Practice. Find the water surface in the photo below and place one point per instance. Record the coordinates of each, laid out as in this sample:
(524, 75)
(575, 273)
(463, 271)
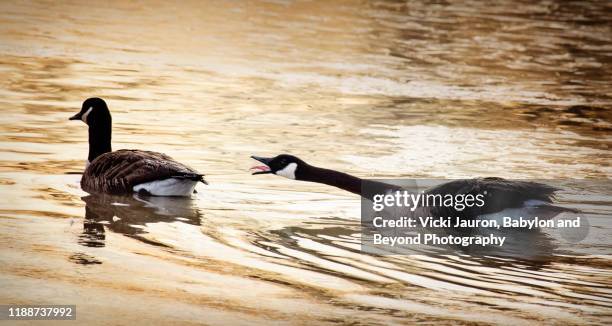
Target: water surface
(378, 89)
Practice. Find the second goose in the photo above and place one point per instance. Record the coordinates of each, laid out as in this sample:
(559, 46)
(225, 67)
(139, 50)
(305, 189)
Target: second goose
(126, 171)
(503, 196)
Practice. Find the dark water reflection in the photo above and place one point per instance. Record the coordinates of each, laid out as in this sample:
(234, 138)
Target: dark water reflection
(129, 215)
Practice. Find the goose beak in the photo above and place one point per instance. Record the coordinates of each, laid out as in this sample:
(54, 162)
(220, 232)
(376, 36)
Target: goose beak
(75, 117)
(261, 169)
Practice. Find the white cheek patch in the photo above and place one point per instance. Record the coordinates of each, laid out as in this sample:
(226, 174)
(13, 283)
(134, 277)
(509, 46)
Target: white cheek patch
(84, 116)
(288, 171)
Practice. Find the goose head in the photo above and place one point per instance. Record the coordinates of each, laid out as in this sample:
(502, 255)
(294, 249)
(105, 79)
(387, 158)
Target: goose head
(93, 112)
(284, 165)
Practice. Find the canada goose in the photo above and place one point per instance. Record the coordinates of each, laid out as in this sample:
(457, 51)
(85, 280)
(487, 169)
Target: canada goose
(126, 171)
(503, 196)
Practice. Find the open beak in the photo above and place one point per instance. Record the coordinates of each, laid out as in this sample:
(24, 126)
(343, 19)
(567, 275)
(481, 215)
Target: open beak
(261, 169)
(75, 117)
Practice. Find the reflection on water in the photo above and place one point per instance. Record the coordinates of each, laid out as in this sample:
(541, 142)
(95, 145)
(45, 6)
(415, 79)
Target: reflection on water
(129, 215)
(378, 89)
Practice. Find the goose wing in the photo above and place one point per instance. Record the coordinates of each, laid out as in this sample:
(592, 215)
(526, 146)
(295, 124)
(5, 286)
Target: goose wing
(120, 171)
(499, 194)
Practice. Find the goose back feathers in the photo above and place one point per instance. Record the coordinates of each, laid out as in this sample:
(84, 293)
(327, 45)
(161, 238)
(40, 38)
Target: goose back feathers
(500, 194)
(120, 171)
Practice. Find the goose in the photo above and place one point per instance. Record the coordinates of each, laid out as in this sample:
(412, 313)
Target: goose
(502, 196)
(128, 170)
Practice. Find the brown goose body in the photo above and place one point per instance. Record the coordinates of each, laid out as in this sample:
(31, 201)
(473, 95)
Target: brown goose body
(126, 171)
(120, 171)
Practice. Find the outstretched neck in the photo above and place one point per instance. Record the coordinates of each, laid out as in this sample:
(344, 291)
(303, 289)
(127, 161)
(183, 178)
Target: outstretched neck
(99, 140)
(332, 178)
(358, 186)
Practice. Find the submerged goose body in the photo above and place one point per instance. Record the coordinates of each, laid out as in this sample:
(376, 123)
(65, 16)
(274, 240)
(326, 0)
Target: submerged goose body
(126, 171)
(503, 196)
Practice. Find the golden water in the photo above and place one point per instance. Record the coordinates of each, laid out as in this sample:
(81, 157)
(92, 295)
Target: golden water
(378, 89)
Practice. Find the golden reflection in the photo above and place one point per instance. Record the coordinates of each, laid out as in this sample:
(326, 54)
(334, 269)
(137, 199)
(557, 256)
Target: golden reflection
(374, 88)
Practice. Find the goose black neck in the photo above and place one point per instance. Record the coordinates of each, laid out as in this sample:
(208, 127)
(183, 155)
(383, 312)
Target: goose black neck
(345, 181)
(99, 139)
